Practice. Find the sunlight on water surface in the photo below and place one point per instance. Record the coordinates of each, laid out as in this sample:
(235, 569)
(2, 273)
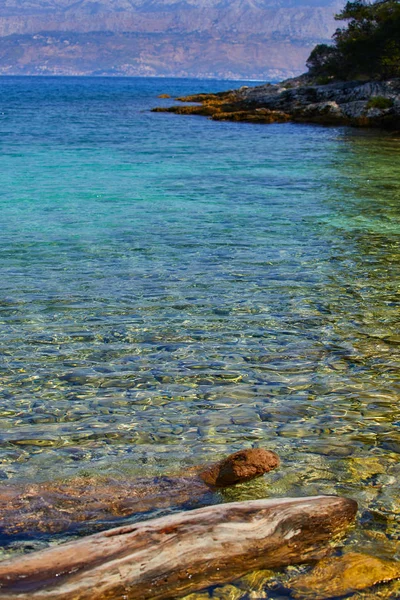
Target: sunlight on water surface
(174, 289)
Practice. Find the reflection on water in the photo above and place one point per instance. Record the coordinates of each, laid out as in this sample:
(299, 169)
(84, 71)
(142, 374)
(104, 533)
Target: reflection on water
(175, 289)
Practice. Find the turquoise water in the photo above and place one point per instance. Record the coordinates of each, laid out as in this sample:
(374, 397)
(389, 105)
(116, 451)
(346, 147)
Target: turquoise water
(174, 289)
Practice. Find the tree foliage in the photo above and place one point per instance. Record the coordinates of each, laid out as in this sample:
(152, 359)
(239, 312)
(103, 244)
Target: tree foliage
(367, 48)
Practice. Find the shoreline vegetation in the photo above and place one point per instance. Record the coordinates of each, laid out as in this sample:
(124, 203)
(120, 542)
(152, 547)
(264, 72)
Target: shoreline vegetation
(301, 100)
(353, 81)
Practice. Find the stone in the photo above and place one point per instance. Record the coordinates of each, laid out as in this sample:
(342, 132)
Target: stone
(339, 576)
(391, 442)
(390, 591)
(361, 469)
(228, 592)
(197, 596)
(240, 467)
(82, 502)
(302, 100)
(256, 580)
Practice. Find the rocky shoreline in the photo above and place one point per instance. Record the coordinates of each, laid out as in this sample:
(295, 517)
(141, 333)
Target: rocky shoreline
(351, 103)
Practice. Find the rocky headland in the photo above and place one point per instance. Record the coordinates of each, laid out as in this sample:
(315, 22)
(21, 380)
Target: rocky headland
(302, 100)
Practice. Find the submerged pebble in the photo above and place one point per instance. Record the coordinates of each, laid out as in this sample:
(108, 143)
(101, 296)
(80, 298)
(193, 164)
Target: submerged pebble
(339, 576)
(228, 592)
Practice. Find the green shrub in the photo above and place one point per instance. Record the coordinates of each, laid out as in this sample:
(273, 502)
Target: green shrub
(368, 47)
(380, 102)
(323, 80)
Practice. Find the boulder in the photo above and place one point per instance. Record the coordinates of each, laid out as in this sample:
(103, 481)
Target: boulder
(240, 467)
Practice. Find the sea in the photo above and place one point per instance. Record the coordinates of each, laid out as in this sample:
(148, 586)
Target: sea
(174, 289)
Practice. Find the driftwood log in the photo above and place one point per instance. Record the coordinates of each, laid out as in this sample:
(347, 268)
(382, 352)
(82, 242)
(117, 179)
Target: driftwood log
(87, 504)
(174, 555)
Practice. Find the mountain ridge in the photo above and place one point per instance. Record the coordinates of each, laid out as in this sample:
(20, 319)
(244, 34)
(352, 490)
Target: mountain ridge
(242, 38)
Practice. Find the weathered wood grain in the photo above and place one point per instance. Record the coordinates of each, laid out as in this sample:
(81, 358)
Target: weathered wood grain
(174, 555)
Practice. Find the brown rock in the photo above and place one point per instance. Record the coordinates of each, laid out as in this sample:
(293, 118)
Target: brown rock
(264, 116)
(240, 467)
(164, 96)
(57, 506)
(301, 100)
(226, 106)
(342, 575)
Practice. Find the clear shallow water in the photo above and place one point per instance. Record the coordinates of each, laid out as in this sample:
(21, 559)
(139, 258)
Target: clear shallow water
(174, 289)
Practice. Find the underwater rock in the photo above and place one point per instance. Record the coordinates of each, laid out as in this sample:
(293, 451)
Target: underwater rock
(197, 596)
(362, 469)
(228, 592)
(53, 507)
(255, 581)
(339, 576)
(391, 442)
(240, 467)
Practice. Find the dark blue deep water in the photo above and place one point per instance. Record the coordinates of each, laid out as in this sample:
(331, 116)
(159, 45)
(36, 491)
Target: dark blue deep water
(174, 289)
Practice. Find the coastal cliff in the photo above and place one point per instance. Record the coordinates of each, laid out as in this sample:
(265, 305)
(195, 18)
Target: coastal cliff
(354, 103)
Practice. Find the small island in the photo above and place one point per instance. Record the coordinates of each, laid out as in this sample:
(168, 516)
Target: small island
(355, 81)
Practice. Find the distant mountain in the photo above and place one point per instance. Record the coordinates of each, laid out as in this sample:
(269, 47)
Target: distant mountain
(248, 39)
